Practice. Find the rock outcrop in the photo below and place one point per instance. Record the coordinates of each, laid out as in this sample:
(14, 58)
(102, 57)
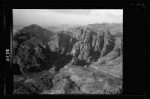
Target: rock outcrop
(85, 81)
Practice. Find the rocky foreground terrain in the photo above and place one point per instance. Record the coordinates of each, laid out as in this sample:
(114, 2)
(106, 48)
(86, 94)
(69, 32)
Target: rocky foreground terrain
(79, 60)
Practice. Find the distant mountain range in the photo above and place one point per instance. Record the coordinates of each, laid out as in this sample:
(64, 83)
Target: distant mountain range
(61, 27)
(113, 27)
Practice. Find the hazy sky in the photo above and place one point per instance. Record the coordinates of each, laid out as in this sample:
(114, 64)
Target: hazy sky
(66, 16)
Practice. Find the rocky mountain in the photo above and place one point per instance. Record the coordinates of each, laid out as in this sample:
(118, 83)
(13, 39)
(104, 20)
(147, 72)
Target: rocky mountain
(29, 47)
(79, 60)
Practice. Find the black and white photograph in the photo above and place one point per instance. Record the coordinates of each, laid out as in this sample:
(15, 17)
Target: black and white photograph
(67, 51)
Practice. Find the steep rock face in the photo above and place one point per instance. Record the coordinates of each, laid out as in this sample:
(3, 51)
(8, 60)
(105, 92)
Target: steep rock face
(84, 44)
(83, 48)
(108, 44)
(114, 53)
(92, 45)
(61, 43)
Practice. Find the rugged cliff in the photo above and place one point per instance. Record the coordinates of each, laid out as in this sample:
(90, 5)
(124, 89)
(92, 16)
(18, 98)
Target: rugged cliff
(67, 62)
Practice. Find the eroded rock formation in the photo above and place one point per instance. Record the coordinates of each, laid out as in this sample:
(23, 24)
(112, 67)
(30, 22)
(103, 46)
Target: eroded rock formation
(81, 60)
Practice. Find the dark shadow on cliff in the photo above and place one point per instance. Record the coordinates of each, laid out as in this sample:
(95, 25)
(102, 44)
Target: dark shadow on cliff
(60, 60)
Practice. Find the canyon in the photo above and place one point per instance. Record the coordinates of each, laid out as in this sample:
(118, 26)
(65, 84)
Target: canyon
(77, 60)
